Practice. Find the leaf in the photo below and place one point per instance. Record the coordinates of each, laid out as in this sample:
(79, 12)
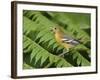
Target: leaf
(40, 52)
(26, 66)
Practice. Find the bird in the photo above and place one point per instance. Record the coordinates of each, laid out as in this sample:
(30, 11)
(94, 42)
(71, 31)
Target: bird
(64, 40)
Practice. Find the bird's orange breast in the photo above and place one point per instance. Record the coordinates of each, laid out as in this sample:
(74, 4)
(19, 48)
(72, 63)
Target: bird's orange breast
(58, 38)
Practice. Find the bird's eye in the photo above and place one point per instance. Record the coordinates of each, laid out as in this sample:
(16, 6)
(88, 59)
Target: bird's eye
(55, 28)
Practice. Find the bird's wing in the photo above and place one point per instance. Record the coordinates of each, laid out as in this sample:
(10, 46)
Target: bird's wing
(69, 40)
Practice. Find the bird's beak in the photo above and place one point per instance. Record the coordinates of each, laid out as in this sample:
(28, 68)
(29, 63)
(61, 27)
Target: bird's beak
(51, 29)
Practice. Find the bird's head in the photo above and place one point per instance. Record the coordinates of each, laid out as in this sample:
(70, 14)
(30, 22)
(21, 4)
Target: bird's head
(55, 29)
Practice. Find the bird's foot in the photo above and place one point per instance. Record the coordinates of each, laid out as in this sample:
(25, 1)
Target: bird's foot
(62, 54)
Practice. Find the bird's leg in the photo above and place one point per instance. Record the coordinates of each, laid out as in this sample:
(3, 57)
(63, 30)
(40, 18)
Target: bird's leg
(62, 54)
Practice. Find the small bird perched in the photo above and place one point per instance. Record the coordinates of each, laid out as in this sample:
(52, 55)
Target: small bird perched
(64, 40)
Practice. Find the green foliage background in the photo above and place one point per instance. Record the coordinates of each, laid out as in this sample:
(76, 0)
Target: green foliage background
(40, 49)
